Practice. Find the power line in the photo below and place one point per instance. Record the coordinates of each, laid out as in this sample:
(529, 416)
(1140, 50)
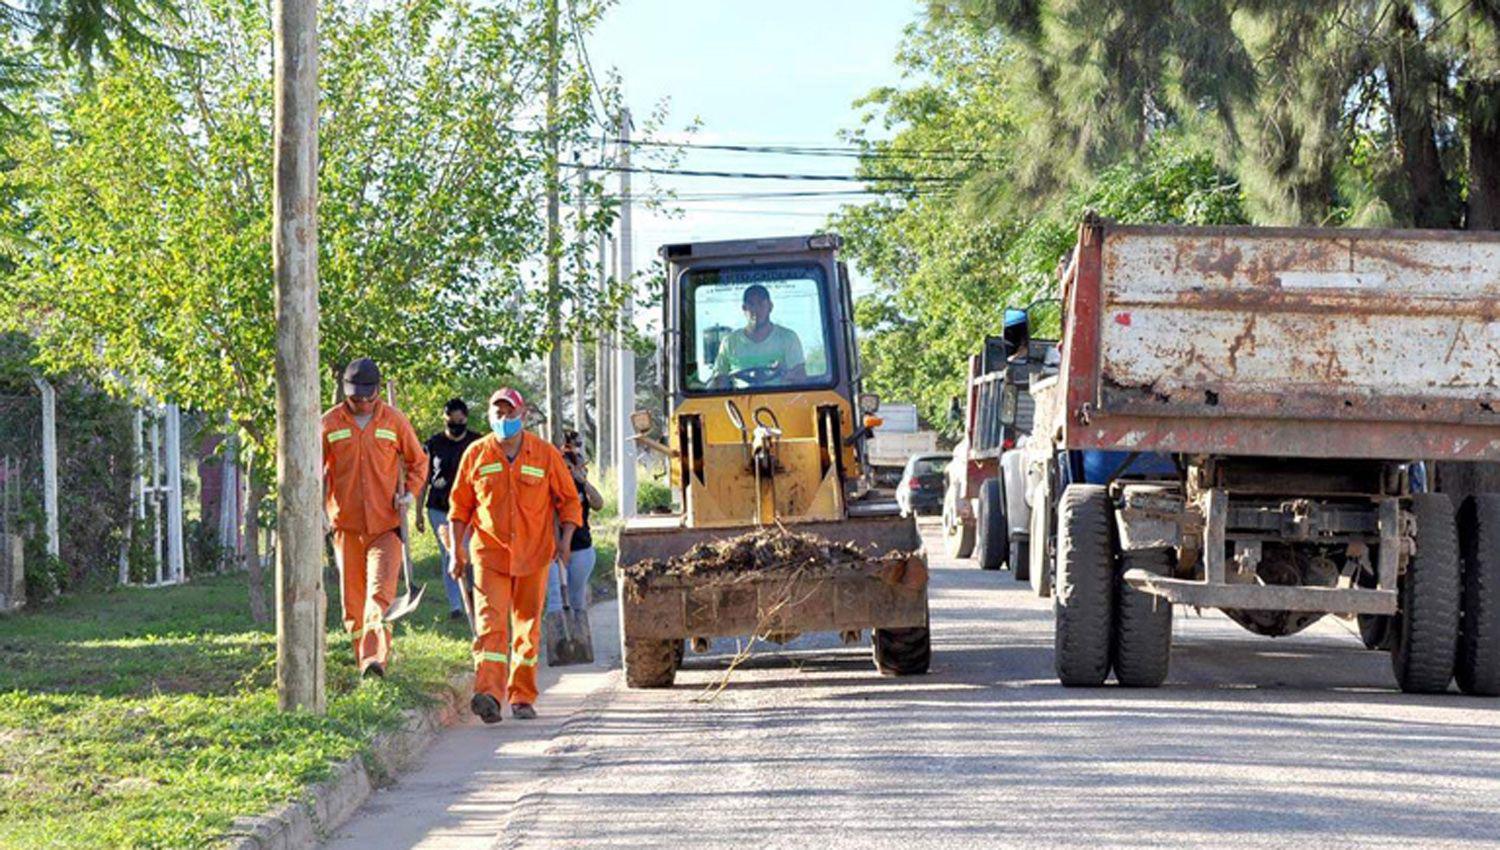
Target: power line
(975, 155)
(758, 175)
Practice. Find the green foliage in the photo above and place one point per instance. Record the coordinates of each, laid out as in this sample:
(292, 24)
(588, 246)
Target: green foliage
(652, 496)
(1328, 111)
(151, 204)
(945, 263)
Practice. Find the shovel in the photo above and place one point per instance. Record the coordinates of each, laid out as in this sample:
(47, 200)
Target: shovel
(407, 602)
(568, 637)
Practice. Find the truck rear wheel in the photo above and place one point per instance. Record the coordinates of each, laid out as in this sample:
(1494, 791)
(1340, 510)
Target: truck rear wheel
(1042, 544)
(1425, 643)
(958, 536)
(1478, 666)
(651, 663)
(993, 540)
(1020, 560)
(1143, 623)
(1083, 604)
(902, 652)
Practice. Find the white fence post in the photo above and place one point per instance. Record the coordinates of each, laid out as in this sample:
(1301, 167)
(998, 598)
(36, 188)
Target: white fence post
(49, 462)
(175, 560)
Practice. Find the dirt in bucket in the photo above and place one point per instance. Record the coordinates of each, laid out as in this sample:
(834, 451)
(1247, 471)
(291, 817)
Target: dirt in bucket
(758, 551)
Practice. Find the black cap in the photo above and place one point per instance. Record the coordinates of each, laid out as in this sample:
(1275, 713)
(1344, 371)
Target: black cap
(456, 404)
(361, 377)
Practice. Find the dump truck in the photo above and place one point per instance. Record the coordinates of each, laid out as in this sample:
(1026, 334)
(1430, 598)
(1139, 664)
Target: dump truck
(765, 428)
(1248, 419)
(985, 514)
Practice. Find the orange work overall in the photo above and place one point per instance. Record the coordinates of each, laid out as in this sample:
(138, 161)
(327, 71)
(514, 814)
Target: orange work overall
(361, 476)
(513, 508)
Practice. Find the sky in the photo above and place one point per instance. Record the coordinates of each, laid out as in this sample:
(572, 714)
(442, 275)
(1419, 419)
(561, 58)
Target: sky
(777, 72)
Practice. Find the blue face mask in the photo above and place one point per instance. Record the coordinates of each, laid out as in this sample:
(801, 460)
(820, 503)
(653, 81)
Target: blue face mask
(507, 427)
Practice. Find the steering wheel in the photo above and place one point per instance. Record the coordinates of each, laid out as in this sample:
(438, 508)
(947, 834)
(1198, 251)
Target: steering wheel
(758, 376)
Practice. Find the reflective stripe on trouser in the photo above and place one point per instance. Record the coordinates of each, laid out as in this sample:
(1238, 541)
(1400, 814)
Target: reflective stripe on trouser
(510, 627)
(369, 569)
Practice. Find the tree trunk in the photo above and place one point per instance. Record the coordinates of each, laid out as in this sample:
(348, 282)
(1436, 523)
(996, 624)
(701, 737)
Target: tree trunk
(1409, 82)
(260, 604)
(1484, 156)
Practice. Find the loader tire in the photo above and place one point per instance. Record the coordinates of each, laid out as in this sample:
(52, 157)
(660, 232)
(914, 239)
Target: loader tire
(1478, 665)
(651, 663)
(993, 540)
(902, 652)
(1083, 599)
(1143, 623)
(1425, 643)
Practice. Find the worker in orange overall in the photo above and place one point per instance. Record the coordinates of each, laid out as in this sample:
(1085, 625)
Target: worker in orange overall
(365, 444)
(513, 507)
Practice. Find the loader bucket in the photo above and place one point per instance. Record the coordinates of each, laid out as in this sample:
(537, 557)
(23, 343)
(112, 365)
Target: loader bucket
(664, 536)
(887, 590)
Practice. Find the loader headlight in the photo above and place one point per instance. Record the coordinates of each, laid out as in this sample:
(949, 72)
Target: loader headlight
(868, 403)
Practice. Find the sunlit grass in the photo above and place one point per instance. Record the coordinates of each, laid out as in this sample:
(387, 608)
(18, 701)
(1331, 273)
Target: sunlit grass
(147, 718)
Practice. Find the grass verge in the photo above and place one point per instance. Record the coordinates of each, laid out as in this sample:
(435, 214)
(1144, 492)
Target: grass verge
(147, 718)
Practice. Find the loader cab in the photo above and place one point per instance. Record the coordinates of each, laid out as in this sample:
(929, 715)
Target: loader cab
(758, 316)
(759, 344)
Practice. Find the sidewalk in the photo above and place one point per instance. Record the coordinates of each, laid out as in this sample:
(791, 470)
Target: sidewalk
(461, 792)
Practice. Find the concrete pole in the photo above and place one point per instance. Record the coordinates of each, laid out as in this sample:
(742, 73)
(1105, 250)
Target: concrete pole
(49, 463)
(601, 377)
(176, 571)
(580, 385)
(624, 354)
(300, 604)
(554, 237)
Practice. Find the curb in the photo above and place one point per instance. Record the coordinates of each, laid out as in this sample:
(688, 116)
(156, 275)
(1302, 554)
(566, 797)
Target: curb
(326, 805)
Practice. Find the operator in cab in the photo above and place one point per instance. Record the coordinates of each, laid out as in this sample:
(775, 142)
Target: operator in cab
(762, 353)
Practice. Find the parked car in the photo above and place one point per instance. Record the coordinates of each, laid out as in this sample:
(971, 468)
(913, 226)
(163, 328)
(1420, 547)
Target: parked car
(922, 482)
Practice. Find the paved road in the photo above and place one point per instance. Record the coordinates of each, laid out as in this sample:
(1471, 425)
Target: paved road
(1298, 742)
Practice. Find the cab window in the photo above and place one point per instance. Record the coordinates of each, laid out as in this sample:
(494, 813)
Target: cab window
(755, 326)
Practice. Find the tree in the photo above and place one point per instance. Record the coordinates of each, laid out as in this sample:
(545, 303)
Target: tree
(1330, 111)
(945, 262)
(149, 199)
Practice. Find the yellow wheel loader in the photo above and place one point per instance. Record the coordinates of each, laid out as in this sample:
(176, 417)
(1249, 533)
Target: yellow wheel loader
(765, 429)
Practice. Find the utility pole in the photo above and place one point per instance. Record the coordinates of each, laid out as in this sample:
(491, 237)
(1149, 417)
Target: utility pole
(580, 406)
(624, 354)
(300, 603)
(601, 373)
(554, 238)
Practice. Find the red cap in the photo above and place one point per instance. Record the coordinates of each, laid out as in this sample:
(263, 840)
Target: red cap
(508, 395)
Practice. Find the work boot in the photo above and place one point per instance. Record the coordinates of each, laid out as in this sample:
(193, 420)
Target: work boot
(373, 670)
(487, 707)
(523, 711)
(457, 614)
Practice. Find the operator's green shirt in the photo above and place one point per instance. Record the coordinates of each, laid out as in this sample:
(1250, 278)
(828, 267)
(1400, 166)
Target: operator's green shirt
(781, 347)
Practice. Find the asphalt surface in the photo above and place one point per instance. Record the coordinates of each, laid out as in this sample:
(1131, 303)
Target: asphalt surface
(1294, 742)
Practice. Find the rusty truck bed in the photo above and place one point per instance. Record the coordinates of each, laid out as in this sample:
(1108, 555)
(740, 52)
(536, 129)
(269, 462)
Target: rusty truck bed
(1299, 342)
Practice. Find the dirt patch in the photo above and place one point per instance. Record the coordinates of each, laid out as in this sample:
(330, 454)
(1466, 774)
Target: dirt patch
(758, 552)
